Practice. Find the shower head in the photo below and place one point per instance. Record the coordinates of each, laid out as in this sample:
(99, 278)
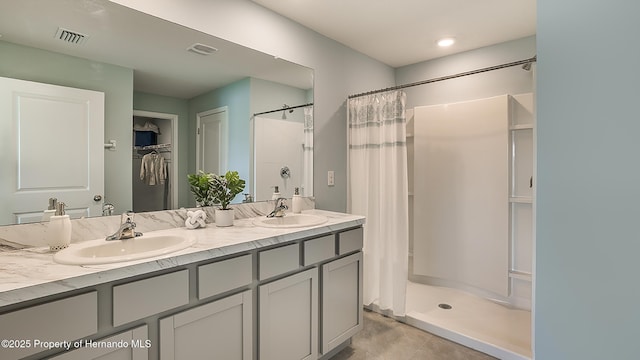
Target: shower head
(527, 65)
(286, 107)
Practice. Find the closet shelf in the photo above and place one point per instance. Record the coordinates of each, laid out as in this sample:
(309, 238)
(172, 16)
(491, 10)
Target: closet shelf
(521, 275)
(521, 199)
(521, 127)
(153, 147)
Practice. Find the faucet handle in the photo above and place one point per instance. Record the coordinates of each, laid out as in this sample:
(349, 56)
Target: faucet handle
(127, 217)
(282, 203)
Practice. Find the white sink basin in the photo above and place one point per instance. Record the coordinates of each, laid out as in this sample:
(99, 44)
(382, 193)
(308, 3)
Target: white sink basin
(105, 252)
(290, 221)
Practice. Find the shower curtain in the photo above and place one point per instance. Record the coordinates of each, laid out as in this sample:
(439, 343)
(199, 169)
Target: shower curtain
(307, 153)
(378, 189)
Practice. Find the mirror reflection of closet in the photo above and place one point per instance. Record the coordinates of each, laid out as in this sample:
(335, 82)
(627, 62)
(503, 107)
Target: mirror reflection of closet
(154, 170)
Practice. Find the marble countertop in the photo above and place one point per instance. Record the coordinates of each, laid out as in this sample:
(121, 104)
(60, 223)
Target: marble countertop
(31, 273)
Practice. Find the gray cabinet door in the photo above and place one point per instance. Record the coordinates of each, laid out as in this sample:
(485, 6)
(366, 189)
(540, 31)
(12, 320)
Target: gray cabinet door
(341, 300)
(128, 345)
(218, 330)
(288, 317)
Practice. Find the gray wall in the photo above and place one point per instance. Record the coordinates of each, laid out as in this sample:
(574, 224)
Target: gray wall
(513, 80)
(588, 241)
(26, 63)
(237, 98)
(268, 95)
(338, 71)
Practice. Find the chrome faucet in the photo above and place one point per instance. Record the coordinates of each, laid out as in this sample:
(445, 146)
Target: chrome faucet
(107, 209)
(126, 230)
(278, 210)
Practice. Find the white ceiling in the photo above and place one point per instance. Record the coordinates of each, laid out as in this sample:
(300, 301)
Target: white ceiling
(404, 32)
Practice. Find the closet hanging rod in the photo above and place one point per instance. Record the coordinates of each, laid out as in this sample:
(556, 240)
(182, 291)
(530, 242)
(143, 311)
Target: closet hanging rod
(283, 109)
(448, 77)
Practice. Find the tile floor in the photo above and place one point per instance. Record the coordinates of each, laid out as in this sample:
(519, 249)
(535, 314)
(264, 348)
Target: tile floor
(386, 339)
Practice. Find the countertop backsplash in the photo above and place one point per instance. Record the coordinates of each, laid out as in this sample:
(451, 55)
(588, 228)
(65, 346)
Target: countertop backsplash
(35, 235)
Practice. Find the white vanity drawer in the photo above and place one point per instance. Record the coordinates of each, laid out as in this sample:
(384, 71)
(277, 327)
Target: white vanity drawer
(350, 241)
(320, 249)
(224, 275)
(62, 320)
(146, 297)
(278, 261)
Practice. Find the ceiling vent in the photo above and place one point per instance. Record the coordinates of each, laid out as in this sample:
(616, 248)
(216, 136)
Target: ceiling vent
(202, 49)
(69, 36)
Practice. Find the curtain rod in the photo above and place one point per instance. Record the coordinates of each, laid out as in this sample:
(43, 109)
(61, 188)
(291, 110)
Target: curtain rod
(284, 108)
(472, 72)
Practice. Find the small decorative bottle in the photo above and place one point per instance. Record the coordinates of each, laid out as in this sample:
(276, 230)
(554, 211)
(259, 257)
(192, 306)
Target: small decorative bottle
(276, 193)
(296, 202)
(51, 210)
(59, 229)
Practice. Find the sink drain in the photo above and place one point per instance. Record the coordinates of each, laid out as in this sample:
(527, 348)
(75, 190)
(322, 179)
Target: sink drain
(445, 306)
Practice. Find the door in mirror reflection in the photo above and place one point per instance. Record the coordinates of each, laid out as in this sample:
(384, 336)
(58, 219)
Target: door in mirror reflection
(46, 132)
(212, 141)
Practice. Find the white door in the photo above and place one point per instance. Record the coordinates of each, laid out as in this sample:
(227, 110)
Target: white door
(52, 145)
(211, 143)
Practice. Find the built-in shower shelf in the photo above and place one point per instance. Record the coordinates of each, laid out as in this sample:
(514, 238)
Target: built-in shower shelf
(521, 127)
(521, 200)
(520, 275)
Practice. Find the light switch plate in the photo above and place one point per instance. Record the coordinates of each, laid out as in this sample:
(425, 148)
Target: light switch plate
(331, 178)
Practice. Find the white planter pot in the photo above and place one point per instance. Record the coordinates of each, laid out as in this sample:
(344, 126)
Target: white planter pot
(224, 217)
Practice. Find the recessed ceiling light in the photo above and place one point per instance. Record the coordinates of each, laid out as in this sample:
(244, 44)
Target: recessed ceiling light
(446, 42)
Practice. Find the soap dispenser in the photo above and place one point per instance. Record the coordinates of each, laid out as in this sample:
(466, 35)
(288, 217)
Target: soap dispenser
(296, 201)
(51, 210)
(59, 233)
(276, 193)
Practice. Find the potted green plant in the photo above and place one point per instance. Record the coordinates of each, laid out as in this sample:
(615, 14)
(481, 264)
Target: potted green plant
(224, 189)
(201, 186)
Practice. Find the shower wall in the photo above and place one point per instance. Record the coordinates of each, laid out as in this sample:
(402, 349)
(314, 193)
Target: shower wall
(278, 144)
(461, 198)
(471, 183)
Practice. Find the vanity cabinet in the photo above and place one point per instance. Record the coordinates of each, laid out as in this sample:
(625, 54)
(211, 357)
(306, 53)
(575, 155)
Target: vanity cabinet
(28, 331)
(218, 330)
(129, 345)
(341, 300)
(143, 298)
(288, 317)
(301, 299)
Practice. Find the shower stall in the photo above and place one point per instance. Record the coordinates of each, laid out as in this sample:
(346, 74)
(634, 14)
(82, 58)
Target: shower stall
(470, 249)
(470, 172)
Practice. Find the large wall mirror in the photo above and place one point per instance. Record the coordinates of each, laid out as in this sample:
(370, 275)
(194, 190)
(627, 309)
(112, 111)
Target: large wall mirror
(192, 99)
